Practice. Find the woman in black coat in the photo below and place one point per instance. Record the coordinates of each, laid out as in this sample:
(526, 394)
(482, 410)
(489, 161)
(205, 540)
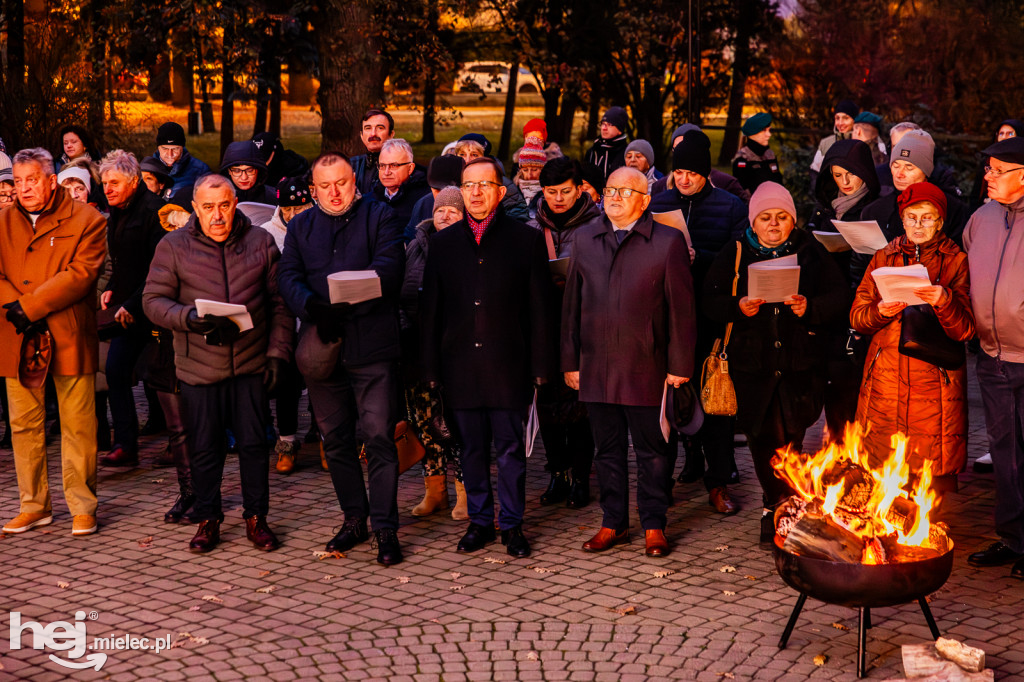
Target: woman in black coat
(776, 358)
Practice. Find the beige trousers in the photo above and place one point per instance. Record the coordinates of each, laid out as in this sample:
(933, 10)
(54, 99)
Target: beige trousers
(76, 400)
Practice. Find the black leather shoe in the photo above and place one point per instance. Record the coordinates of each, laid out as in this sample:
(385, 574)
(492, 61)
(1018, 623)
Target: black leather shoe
(206, 538)
(389, 552)
(260, 535)
(153, 427)
(476, 537)
(351, 534)
(120, 457)
(515, 542)
(558, 488)
(579, 494)
(181, 506)
(1018, 570)
(767, 537)
(997, 554)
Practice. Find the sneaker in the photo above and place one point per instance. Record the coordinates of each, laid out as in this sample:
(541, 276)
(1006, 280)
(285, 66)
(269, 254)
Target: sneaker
(83, 524)
(286, 452)
(24, 521)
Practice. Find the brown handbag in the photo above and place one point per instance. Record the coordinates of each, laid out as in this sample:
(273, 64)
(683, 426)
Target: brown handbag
(36, 353)
(410, 449)
(717, 393)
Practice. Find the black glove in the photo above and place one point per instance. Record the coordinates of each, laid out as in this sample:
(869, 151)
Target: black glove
(272, 373)
(224, 332)
(539, 381)
(17, 317)
(328, 319)
(199, 325)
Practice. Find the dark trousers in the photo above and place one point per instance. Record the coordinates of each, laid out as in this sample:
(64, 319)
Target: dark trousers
(124, 353)
(1002, 392)
(568, 446)
(612, 424)
(716, 441)
(772, 435)
(286, 395)
(477, 429)
(844, 379)
(364, 400)
(171, 405)
(209, 410)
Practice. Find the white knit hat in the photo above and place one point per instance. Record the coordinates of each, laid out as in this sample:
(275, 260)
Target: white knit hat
(77, 174)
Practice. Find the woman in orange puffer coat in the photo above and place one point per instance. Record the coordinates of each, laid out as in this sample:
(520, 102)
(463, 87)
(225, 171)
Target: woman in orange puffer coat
(926, 403)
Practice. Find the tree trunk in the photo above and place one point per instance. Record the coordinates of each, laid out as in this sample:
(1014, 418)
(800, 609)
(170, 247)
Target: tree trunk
(181, 79)
(510, 111)
(97, 74)
(352, 72)
(737, 93)
(650, 121)
(429, 109)
(259, 124)
(159, 86)
(275, 97)
(593, 115)
(15, 11)
(227, 111)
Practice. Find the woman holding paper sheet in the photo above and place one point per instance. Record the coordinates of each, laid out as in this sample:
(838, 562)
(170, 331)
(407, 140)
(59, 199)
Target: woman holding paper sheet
(777, 358)
(900, 394)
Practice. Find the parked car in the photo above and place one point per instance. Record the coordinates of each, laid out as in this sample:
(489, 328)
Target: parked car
(492, 77)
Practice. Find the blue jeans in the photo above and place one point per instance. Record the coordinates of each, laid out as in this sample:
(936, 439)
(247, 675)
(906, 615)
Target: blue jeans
(1002, 392)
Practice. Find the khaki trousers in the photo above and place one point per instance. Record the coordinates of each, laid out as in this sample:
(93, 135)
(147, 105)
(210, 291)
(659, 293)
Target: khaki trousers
(76, 399)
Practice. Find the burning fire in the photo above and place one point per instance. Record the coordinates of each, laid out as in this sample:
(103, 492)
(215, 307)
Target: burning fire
(847, 497)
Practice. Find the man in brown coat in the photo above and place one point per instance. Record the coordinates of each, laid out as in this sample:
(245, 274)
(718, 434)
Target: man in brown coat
(51, 251)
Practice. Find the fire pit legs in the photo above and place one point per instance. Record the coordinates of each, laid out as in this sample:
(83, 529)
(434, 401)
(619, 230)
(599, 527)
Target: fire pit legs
(792, 620)
(927, 611)
(863, 623)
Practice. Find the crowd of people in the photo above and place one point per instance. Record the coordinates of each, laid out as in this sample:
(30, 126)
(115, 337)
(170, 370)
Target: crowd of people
(573, 298)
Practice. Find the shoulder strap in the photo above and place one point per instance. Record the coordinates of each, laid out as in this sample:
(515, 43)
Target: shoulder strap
(735, 282)
(550, 240)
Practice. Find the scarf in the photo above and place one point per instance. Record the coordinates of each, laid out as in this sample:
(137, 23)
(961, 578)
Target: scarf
(760, 249)
(336, 214)
(844, 202)
(529, 188)
(758, 149)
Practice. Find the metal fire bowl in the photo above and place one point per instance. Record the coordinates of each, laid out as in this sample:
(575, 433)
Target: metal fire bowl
(863, 585)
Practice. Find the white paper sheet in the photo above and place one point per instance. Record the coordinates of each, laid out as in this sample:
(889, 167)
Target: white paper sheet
(865, 236)
(666, 422)
(353, 286)
(675, 219)
(834, 242)
(532, 425)
(897, 284)
(773, 280)
(235, 312)
(258, 213)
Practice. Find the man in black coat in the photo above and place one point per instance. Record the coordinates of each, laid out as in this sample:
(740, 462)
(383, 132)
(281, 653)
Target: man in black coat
(344, 233)
(377, 127)
(486, 335)
(609, 151)
(628, 330)
(401, 182)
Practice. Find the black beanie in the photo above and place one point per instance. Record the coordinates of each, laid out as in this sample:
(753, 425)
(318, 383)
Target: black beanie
(170, 133)
(444, 171)
(848, 107)
(616, 116)
(693, 153)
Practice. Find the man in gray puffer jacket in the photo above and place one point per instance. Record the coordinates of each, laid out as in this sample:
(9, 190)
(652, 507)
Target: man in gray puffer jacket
(224, 372)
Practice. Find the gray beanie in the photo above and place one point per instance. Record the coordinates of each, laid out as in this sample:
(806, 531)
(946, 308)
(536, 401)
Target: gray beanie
(917, 147)
(644, 147)
(5, 161)
(682, 130)
(449, 196)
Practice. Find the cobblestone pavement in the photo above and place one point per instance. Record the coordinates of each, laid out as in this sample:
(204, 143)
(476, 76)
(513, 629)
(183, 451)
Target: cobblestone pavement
(560, 614)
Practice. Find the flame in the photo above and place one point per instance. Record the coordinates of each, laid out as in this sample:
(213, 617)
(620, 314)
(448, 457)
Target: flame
(871, 500)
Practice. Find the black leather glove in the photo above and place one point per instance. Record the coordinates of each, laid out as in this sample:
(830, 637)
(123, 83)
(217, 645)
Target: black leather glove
(328, 319)
(272, 373)
(17, 317)
(539, 381)
(199, 325)
(224, 332)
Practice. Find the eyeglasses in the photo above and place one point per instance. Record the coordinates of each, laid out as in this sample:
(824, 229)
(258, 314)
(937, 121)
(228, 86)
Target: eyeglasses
(624, 192)
(484, 185)
(242, 171)
(989, 170)
(6, 197)
(924, 222)
(392, 166)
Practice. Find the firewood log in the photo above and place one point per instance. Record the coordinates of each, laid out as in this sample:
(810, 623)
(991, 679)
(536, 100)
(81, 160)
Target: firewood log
(814, 536)
(969, 658)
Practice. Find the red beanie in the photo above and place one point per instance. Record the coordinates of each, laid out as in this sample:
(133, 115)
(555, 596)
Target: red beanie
(922, 191)
(536, 125)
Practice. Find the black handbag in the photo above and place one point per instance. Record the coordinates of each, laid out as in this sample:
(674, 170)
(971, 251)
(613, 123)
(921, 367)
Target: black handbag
(437, 427)
(922, 337)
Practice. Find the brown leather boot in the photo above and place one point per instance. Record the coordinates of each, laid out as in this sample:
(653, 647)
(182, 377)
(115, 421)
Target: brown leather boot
(720, 500)
(657, 545)
(606, 538)
(460, 512)
(260, 535)
(435, 498)
(206, 538)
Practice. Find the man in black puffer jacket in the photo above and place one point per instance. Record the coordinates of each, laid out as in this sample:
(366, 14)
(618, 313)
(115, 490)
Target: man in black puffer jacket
(244, 165)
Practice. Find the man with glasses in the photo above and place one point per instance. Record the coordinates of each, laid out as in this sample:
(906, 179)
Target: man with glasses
(171, 152)
(715, 219)
(358, 343)
(486, 337)
(402, 183)
(7, 193)
(244, 165)
(628, 329)
(994, 241)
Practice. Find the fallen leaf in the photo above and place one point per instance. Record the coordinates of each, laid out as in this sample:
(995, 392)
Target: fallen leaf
(321, 555)
(729, 593)
(583, 527)
(187, 638)
(728, 676)
(624, 610)
(541, 569)
(721, 548)
(728, 569)
(228, 588)
(63, 585)
(532, 656)
(146, 542)
(268, 589)
(194, 608)
(750, 577)
(456, 576)
(456, 588)
(839, 626)
(328, 578)
(157, 480)
(492, 560)
(661, 574)
(820, 660)
(213, 599)
(263, 573)
(403, 579)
